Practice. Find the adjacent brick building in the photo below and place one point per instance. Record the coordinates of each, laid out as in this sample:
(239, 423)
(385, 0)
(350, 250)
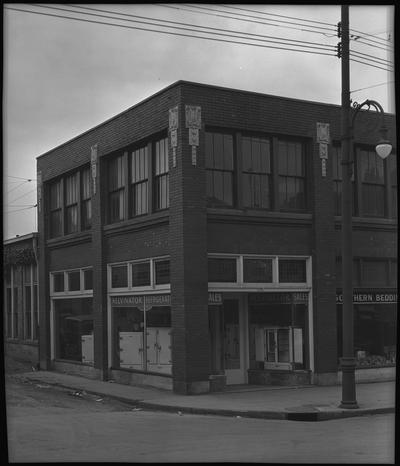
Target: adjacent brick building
(20, 310)
(194, 240)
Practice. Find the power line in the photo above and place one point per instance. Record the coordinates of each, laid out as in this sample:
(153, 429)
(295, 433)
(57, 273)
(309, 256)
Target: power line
(375, 85)
(369, 64)
(239, 19)
(381, 61)
(19, 178)
(377, 40)
(23, 195)
(165, 32)
(20, 210)
(275, 40)
(281, 16)
(18, 186)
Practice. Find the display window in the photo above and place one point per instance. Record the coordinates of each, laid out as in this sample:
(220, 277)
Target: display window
(141, 333)
(74, 329)
(374, 333)
(277, 330)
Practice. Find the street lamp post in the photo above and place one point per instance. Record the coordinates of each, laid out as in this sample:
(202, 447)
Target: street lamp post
(383, 149)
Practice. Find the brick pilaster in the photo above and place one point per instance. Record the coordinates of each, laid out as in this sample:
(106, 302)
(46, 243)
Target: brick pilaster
(188, 255)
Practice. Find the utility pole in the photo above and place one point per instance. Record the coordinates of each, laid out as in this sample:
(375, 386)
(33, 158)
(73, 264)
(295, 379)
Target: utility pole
(347, 361)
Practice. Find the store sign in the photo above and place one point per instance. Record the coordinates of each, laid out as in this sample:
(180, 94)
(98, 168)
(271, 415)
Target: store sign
(214, 299)
(278, 298)
(374, 297)
(141, 301)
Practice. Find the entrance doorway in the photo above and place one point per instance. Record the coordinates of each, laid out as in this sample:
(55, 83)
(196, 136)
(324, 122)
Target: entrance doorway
(227, 340)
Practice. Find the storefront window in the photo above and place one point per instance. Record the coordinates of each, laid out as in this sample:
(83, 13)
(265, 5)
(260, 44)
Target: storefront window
(142, 335)
(374, 333)
(74, 329)
(277, 330)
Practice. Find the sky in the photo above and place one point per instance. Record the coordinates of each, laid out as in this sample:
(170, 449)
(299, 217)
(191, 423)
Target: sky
(62, 77)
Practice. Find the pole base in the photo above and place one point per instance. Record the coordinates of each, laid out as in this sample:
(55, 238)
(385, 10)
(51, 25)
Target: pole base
(349, 399)
(349, 405)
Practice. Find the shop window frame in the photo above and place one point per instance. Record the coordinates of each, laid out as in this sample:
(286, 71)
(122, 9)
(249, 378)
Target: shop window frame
(66, 292)
(153, 286)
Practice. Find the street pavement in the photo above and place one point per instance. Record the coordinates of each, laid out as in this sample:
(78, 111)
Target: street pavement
(302, 403)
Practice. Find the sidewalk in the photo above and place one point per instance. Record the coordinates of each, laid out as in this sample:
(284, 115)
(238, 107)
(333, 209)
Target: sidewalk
(305, 403)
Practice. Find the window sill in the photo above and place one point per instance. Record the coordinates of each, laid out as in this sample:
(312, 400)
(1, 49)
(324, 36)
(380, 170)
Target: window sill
(258, 215)
(72, 238)
(142, 221)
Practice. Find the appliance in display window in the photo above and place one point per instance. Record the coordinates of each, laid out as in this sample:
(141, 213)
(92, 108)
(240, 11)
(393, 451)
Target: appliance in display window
(159, 349)
(279, 347)
(131, 350)
(87, 349)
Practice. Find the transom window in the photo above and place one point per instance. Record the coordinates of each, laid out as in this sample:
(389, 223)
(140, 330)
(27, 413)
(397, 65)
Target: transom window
(250, 271)
(71, 281)
(142, 274)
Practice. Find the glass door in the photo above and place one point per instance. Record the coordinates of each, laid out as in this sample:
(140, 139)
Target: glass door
(233, 358)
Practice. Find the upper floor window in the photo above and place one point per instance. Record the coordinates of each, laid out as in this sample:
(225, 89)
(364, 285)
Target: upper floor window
(116, 185)
(161, 179)
(337, 179)
(71, 203)
(372, 178)
(86, 200)
(256, 169)
(291, 172)
(56, 199)
(219, 168)
(139, 181)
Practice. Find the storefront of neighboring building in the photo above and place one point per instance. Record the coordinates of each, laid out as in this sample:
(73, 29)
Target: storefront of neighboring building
(20, 310)
(193, 241)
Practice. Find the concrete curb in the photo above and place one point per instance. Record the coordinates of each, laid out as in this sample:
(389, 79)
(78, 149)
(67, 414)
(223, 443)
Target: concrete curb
(304, 416)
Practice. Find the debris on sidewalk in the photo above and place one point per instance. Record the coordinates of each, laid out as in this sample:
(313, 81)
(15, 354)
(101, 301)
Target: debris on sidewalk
(42, 386)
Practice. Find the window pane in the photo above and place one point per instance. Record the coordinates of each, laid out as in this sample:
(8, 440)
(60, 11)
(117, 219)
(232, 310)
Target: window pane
(257, 270)
(58, 281)
(162, 272)
(88, 279)
(55, 223)
(141, 274)
(55, 195)
(74, 281)
(115, 173)
(71, 189)
(222, 270)
(373, 200)
(72, 219)
(86, 214)
(119, 276)
(85, 181)
(292, 271)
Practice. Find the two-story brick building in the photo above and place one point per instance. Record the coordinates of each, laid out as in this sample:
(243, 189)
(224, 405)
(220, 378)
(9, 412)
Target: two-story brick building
(194, 240)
